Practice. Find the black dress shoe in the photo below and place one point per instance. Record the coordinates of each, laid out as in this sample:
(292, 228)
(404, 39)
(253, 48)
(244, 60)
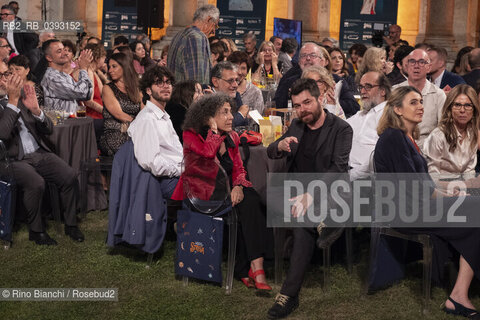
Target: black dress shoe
(284, 305)
(41, 238)
(74, 233)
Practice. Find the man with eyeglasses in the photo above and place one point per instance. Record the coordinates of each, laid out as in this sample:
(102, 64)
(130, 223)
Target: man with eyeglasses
(20, 42)
(156, 144)
(418, 66)
(25, 130)
(189, 53)
(439, 76)
(225, 79)
(312, 54)
(374, 90)
(4, 49)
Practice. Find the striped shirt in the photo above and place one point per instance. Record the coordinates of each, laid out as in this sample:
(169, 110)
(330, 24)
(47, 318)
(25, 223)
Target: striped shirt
(62, 92)
(189, 56)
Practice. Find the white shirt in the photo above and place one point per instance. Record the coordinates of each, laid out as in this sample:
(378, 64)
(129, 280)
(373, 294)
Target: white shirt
(365, 138)
(441, 161)
(433, 100)
(438, 80)
(11, 41)
(155, 142)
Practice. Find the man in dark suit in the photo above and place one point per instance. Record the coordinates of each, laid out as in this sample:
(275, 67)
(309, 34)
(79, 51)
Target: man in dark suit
(20, 42)
(24, 128)
(317, 141)
(439, 76)
(472, 77)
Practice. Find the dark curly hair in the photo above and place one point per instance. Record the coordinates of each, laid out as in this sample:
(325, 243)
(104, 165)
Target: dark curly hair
(199, 113)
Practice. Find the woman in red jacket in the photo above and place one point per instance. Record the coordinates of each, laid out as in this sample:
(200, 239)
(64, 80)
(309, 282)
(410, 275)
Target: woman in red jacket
(208, 136)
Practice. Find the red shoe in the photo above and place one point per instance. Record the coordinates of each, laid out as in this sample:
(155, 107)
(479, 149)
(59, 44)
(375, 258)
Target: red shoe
(258, 285)
(248, 282)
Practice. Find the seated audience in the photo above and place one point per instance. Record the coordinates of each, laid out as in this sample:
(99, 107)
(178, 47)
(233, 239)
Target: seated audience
(356, 52)
(225, 79)
(24, 131)
(374, 59)
(326, 85)
(70, 49)
(277, 43)
(60, 90)
(472, 77)
(397, 152)
(374, 90)
(451, 148)
(438, 73)
(183, 95)
(251, 95)
(19, 65)
(94, 106)
(266, 65)
(339, 66)
(122, 101)
(157, 147)
(399, 72)
(231, 46)
(287, 51)
(208, 134)
(141, 61)
(217, 52)
(459, 66)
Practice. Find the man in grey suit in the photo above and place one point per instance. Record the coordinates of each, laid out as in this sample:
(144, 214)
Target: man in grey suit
(320, 142)
(24, 130)
(287, 51)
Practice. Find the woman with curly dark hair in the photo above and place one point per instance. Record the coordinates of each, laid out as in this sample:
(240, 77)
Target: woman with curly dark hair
(208, 135)
(183, 95)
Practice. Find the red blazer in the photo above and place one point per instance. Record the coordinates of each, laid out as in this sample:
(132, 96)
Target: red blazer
(200, 173)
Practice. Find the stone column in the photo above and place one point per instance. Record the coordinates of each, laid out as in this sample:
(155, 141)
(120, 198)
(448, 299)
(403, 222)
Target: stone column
(307, 11)
(439, 25)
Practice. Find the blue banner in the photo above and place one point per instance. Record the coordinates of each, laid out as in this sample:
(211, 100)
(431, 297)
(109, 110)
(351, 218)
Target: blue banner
(119, 17)
(238, 17)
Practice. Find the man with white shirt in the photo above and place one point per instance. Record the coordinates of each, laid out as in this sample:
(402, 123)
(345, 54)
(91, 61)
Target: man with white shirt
(418, 65)
(440, 77)
(156, 144)
(375, 90)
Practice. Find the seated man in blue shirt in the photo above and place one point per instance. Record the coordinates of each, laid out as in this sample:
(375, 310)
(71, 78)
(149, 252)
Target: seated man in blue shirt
(24, 131)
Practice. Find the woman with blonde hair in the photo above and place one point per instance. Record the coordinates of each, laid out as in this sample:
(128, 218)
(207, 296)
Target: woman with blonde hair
(266, 63)
(451, 148)
(374, 59)
(326, 85)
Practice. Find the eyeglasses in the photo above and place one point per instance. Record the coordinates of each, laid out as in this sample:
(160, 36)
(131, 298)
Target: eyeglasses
(420, 62)
(5, 46)
(5, 74)
(458, 106)
(231, 81)
(161, 83)
(367, 86)
(311, 56)
(6, 14)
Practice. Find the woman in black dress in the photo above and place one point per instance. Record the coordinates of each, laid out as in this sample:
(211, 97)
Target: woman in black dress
(397, 152)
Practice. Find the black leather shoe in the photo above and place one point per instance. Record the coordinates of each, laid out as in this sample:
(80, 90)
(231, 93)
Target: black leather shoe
(41, 238)
(284, 305)
(74, 233)
(327, 236)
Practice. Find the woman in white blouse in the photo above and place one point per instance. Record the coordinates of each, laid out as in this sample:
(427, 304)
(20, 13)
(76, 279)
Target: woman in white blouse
(451, 148)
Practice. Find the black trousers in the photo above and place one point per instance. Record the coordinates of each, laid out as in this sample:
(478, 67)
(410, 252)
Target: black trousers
(303, 247)
(30, 175)
(253, 236)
